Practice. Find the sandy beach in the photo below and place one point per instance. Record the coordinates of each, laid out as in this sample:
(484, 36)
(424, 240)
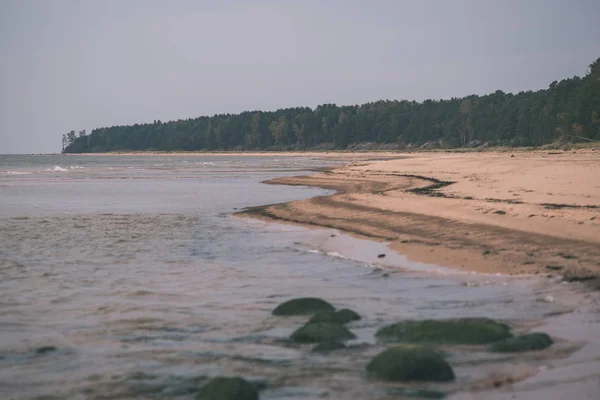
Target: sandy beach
(509, 213)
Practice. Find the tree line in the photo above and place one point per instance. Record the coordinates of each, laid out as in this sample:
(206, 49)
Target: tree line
(568, 109)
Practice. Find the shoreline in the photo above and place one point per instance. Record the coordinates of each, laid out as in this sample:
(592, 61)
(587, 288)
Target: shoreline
(531, 213)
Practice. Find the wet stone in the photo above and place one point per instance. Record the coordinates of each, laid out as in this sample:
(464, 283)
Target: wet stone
(341, 317)
(321, 332)
(416, 393)
(451, 331)
(326, 347)
(45, 349)
(410, 363)
(531, 342)
(223, 388)
(303, 306)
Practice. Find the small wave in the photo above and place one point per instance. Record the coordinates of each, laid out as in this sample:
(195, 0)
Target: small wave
(18, 173)
(314, 251)
(205, 163)
(336, 254)
(75, 167)
(57, 169)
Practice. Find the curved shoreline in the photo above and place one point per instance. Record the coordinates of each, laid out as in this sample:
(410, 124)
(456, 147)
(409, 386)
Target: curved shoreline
(489, 213)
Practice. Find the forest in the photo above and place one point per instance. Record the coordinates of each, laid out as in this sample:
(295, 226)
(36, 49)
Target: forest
(568, 110)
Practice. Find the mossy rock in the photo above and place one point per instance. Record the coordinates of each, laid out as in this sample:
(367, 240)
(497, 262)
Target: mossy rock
(410, 363)
(321, 332)
(302, 306)
(533, 341)
(418, 393)
(45, 349)
(451, 331)
(326, 347)
(340, 317)
(228, 389)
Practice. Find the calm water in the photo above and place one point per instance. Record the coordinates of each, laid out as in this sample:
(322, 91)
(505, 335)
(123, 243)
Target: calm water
(136, 272)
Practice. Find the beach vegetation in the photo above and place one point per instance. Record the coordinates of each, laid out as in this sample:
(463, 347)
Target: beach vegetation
(567, 111)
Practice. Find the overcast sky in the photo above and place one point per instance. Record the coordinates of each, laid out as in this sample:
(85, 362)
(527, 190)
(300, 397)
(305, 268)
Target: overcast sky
(67, 64)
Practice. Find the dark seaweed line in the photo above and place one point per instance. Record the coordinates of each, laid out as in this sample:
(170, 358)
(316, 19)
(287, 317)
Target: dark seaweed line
(263, 211)
(431, 190)
(558, 206)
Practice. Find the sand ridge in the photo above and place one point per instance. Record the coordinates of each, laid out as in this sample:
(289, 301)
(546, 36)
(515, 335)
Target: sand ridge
(520, 213)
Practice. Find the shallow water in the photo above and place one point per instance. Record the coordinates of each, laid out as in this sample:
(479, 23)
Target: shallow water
(128, 277)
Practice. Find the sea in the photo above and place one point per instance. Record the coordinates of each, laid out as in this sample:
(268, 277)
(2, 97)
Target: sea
(131, 277)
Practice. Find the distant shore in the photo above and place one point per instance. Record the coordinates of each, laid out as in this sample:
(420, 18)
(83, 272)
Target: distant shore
(493, 212)
(342, 154)
(578, 147)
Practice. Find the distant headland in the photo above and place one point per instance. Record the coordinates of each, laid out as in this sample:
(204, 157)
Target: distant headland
(567, 111)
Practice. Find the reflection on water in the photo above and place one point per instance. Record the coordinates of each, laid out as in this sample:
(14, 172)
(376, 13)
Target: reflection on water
(140, 284)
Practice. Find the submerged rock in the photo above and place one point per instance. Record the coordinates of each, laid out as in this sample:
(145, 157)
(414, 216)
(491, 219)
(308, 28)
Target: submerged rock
(45, 349)
(321, 332)
(326, 347)
(410, 363)
(418, 393)
(336, 317)
(533, 341)
(228, 389)
(302, 306)
(451, 331)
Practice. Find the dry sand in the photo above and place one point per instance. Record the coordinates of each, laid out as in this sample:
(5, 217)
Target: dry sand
(522, 213)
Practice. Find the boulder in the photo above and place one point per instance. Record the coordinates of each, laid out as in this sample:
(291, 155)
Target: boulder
(451, 331)
(533, 341)
(45, 349)
(340, 317)
(410, 363)
(224, 388)
(302, 306)
(414, 392)
(326, 347)
(321, 332)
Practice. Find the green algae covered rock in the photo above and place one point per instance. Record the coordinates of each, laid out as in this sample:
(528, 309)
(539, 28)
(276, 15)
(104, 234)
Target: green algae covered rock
(533, 341)
(410, 363)
(302, 306)
(326, 347)
(321, 332)
(340, 317)
(450, 331)
(228, 389)
(416, 393)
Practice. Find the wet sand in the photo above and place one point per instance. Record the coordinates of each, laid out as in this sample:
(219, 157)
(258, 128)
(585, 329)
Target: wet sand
(509, 213)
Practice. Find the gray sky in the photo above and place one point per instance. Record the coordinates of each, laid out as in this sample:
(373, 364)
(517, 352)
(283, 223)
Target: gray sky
(68, 64)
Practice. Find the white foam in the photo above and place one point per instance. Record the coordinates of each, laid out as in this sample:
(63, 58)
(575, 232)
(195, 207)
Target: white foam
(57, 169)
(75, 167)
(18, 173)
(336, 254)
